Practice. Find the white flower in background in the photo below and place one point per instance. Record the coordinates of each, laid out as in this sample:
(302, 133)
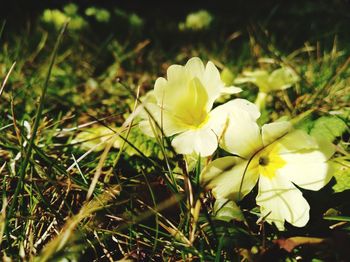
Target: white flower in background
(279, 79)
(57, 18)
(182, 105)
(197, 21)
(96, 138)
(277, 158)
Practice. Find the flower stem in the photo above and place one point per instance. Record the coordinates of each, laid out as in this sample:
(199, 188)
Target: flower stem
(260, 101)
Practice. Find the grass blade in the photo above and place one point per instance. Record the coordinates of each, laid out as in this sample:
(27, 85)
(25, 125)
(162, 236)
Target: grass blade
(25, 162)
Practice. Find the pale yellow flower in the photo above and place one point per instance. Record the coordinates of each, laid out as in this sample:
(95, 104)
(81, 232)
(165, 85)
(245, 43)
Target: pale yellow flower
(277, 158)
(96, 138)
(278, 79)
(182, 105)
(197, 21)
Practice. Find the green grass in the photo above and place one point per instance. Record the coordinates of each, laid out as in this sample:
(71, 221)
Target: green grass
(140, 200)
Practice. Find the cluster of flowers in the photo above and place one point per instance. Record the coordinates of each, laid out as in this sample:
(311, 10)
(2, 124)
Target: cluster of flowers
(275, 156)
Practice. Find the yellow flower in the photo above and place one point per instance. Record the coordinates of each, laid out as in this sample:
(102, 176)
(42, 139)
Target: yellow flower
(182, 105)
(96, 138)
(197, 21)
(279, 79)
(276, 158)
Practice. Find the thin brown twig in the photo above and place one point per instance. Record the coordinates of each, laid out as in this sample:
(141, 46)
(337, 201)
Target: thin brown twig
(6, 78)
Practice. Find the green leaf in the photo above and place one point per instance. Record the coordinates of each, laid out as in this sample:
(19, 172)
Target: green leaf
(227, 76)
(337, 218)
(328, 127)
(227, 210)
(304, 121)
(342, 176)
(70, 9)
(147, 145)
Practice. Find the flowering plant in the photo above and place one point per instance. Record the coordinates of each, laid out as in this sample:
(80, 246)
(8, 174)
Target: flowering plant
(277, 158)
(182, 105)
(279, 79)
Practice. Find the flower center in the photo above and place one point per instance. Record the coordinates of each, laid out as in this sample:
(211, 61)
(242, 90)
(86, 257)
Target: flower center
(270, 161)
(263, 161)
(191, 110)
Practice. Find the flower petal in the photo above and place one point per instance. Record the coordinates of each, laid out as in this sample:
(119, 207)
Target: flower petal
(211, 79)
(164, 119)
(218, 118)
(280, 200)
(242, 135)
(244, 104)
(195, 67)
(297, 140)
(306, 168)
(203, 142)
(159, 88)
(230, 90)
(191, 108)
(168, 93)
(326, 147)
(273, 131)
(258, 78)
(282, 78)
(178, 75)
(229, 177)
